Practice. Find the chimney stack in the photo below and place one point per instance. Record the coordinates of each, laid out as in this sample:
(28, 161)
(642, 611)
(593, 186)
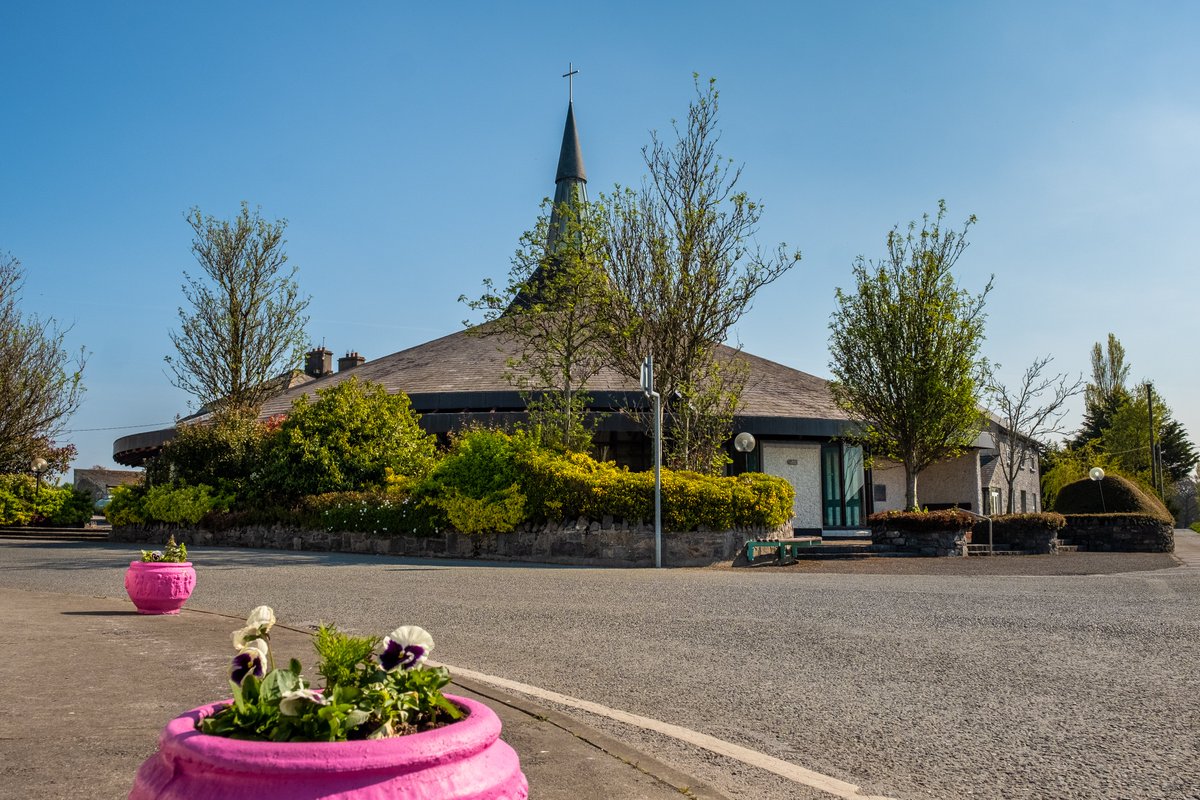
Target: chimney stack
(349, 361)
(319, 362)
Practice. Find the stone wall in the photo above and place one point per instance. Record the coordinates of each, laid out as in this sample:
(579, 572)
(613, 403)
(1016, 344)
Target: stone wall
(1119, 533)
(922, 543)
(1030, 538)
(582, 542)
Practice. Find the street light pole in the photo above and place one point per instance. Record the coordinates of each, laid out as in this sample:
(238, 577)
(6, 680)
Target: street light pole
(38, 466)
(648, 388)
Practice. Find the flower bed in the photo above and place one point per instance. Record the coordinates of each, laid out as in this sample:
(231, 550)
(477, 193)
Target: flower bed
(1032, 533)
(925, 533)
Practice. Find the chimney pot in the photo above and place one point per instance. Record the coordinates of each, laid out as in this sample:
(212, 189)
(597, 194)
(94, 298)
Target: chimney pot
(349, 361)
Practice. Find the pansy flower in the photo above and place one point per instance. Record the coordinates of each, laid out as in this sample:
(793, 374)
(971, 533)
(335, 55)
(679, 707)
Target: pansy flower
(258, 625)
(405, 648)
(252, 660)
(290, 703)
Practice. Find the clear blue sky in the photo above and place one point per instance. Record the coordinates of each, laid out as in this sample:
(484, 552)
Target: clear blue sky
(409, 147)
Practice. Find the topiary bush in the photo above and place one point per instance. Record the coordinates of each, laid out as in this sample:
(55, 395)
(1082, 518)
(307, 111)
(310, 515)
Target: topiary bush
(1113, 495)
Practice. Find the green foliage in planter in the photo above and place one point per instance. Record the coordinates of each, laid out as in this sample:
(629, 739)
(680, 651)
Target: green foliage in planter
(346, 440)
(1195, 526)
(951, 519)
(181, 505)
(22, 502)
(1111, 494)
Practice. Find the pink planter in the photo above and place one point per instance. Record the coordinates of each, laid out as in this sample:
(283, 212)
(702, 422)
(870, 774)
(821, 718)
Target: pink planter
(465, 759)
(159, 587)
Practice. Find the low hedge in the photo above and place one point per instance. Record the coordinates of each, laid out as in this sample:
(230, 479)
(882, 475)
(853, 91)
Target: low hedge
(1020, 523)
(490, 481)
(951, 519)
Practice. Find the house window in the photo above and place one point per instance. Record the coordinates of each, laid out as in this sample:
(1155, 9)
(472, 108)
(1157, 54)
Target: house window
(842, 485)
(1024, 504)
(881, 493)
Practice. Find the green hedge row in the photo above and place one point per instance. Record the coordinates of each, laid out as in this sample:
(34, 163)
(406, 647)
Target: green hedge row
(489, 481)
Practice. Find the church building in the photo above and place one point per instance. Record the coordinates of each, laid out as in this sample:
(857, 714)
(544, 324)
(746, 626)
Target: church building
(798, 431)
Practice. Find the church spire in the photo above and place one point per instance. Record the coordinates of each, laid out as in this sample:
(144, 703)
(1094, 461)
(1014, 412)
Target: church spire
(570, 192)
(570, 182)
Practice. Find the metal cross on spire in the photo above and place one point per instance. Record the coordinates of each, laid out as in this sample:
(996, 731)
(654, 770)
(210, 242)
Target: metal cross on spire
(570, 76)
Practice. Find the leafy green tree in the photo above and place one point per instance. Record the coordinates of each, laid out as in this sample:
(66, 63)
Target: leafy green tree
(905, 350)
(1127, 439)
(244, 331)
(684, 267)
(550, 310)
(350, 438)
(41, 383)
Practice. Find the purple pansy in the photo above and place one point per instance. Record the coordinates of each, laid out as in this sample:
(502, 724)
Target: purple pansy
(405, 648)
(252, 660)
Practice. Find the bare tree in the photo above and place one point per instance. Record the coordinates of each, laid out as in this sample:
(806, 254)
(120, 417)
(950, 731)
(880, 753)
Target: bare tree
(245, 325)
(684, 268)
(41, 384)
(1026, 421)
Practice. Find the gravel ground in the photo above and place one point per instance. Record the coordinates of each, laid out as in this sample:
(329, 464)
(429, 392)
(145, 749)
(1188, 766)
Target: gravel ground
(907, 678)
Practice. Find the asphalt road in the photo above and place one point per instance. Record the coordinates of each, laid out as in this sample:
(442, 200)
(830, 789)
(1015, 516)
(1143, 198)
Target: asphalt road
(909, 685)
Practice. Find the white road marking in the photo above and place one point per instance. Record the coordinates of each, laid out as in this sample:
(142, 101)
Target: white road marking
(784, 769)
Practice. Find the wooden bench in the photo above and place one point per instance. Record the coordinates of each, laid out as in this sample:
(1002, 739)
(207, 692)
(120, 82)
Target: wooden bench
(784, 548)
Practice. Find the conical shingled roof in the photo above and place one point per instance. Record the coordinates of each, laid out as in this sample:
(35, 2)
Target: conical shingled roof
(570, 157)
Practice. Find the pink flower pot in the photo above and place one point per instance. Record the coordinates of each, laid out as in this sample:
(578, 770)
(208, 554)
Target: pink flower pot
(159, 587)
(465, 759)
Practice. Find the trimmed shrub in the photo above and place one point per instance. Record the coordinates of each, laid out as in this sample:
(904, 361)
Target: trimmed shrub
(951, 519)
(1043, 520)
(346, 440)
(22, 502)
(1120, 496)
(224, 453)
(125, 506)
(1195, 526)
(181, 505)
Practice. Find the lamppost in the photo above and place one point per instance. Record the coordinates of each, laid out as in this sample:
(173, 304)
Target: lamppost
(648, 388)
(1097, 474)
(38, 466)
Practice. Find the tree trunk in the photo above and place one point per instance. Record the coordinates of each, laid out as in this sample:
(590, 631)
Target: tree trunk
(910, 489)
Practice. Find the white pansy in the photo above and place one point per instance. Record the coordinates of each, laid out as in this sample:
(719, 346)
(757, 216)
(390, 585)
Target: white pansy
(262, 617)
(290, 703)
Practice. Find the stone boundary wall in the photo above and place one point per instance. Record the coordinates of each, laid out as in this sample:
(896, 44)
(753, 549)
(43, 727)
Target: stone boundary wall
(922, 543)
(580, 543)
(1119, 533)
(1030, 538)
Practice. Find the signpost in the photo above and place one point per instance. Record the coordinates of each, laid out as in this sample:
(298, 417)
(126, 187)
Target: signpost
(648, 388)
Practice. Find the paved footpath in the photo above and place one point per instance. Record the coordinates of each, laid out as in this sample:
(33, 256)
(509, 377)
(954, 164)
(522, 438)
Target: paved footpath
(86, 684)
